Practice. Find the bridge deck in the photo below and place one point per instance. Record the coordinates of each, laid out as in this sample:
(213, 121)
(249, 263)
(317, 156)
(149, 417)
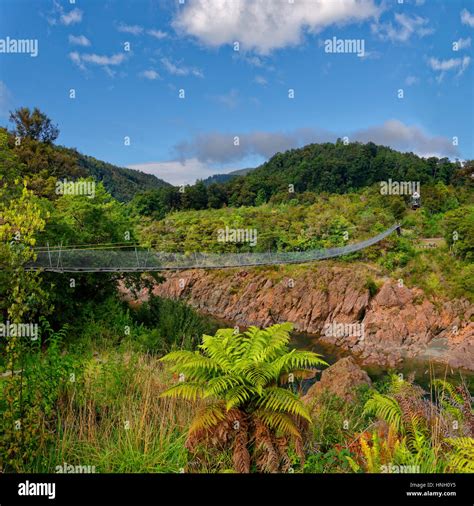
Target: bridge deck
(139, 260)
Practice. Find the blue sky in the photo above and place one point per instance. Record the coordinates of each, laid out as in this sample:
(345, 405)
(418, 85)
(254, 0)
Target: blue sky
(128, 60)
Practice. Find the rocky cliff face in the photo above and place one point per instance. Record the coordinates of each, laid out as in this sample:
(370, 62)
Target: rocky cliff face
(332, 300)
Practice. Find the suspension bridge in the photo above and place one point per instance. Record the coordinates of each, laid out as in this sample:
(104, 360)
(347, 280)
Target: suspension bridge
(114, 258)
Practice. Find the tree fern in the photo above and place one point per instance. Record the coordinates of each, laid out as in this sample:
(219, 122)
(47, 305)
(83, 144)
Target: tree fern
(239, 376)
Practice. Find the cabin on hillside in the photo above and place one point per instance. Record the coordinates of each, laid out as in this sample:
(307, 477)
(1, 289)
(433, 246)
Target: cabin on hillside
(415, 200)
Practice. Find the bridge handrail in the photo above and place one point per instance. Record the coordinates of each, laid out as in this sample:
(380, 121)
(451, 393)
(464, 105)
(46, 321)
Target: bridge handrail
(119, 260)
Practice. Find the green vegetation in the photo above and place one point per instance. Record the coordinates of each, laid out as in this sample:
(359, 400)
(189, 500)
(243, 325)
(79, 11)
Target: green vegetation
(98, 384)
(298, 174)
(110, 406)
(242, 378)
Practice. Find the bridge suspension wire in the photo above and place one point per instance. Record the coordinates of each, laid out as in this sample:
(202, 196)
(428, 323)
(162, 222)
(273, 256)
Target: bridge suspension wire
(129, 258)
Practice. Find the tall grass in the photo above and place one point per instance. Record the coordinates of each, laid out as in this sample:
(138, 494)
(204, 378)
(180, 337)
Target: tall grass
(113, 419)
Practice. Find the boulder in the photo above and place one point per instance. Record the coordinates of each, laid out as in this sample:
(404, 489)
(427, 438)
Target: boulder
(341, 379)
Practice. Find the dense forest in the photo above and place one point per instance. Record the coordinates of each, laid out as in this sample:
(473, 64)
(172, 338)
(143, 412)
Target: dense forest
(158, 387)
(316, 169)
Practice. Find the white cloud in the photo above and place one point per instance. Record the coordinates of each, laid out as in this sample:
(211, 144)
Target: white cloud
(132, 29)
(58, 15)
(158, 34)
(370, 55)
(261, 80)
(139, 30)
(71, 17)
(216, 147)
(255, 61)
(229, 100)
(101, 60)
(150, 74)
(411, 80)
(443, 66)
(463, 43)
(404, 137)
(405, 26)
(467, 18)
(266, 25)
(115, 59)
(75, 57)
(5, 100)
(177, 172)
(80, 40)
(180, 70)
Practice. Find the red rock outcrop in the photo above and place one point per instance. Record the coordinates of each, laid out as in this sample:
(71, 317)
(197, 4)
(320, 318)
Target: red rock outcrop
(341, 379)
(398, 322)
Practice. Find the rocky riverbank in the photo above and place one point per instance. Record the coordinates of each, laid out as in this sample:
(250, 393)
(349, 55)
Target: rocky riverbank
(377, 319)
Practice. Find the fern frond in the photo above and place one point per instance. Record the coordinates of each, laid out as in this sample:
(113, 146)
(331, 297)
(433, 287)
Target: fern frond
(280, 422)
(257, 340)
(386, 408)
(461, 459)
(353, 464)
(296, 359)
(207, 417)
(258, 374)
(446, 389)
(221, 384)
(241, 455)
(280, 399)
(277, 340)
(187, 391)
(238, 395)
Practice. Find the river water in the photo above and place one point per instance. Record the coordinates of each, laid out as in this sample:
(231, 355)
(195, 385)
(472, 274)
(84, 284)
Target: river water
(422, 370)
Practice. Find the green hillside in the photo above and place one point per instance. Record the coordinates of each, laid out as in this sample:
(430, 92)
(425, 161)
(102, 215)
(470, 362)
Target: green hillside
(316, 168)
(43, 163)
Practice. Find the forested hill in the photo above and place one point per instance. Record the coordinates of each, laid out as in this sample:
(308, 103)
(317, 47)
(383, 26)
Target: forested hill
(311, 170)
(120, 182)
(337, 168)
(43, 163)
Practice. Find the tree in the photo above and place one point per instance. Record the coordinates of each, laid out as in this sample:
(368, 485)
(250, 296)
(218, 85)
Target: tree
(22, 299)
(8, 160)
(459, 231)
(216, 196)
(34, 125)
(242, 378)
(194, 196)
(261, 197)
(78, 219)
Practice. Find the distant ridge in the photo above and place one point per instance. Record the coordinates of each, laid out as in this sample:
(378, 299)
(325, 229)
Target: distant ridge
(222, 178)
(120, 182)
